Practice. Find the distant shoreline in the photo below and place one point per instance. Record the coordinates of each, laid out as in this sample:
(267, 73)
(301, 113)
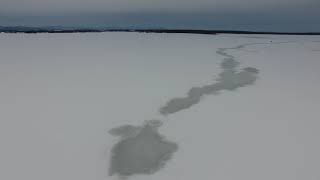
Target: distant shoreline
(32, 30)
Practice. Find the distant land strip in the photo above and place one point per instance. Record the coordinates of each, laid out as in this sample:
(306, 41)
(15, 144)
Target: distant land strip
(35, 30)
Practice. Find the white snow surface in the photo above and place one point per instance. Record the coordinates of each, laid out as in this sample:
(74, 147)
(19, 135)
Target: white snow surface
(61, 93)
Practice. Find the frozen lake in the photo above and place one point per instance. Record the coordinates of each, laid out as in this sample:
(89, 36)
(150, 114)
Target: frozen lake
(104, 106)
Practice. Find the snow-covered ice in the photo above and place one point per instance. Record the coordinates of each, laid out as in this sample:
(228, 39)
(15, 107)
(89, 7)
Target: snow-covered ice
(61, 94)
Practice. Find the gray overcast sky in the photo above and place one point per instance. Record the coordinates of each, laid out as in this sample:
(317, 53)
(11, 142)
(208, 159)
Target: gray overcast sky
(165, 13)
(150, 5)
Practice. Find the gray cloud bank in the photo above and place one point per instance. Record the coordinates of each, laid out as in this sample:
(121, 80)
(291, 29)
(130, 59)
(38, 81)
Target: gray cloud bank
(60, 6)
(288, 21)
(271, 15)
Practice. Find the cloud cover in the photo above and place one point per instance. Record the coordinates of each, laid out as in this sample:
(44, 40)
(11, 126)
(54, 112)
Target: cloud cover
(54, 6)
(260, 15)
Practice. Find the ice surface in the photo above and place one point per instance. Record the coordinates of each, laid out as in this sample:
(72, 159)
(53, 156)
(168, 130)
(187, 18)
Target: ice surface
(67, 100)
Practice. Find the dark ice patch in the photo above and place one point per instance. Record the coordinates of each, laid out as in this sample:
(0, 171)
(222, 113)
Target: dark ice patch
(125, 131)
(229, 79)
(251, 69)
(229, 63)
(142, 150)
